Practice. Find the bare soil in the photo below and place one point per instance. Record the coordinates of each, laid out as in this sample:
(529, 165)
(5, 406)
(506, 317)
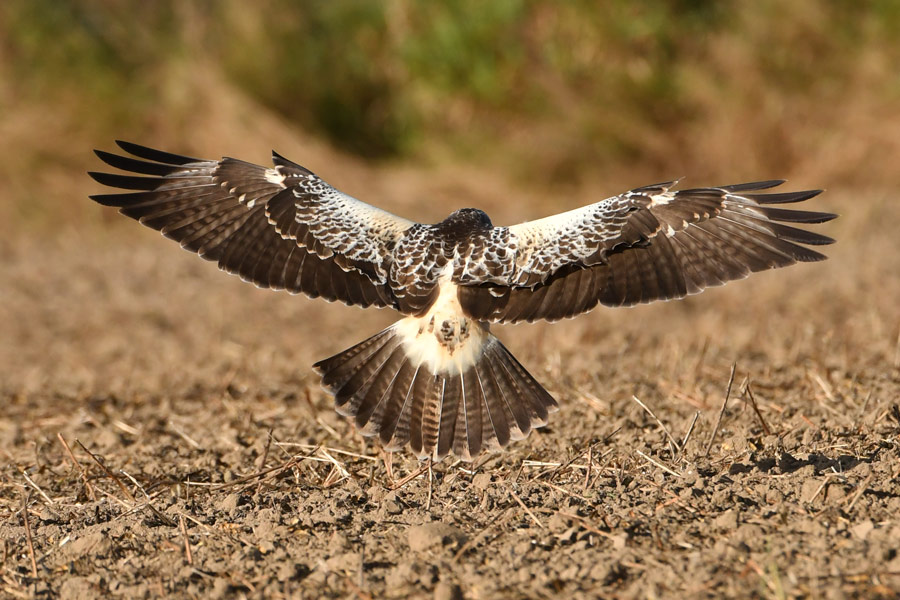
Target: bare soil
(210, 463)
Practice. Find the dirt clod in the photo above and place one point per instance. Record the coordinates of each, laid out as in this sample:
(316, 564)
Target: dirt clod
(432, 535)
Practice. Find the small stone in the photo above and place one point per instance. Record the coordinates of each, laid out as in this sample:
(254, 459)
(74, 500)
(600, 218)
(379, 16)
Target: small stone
(568, 536)
(229, 503)
(220, 588)
(558, 523)
(482, 481)
(522, 548)
(835, 493)
(862, 529)
(774, 496)
(447, 591)
(809, 489)
(392, 508)
(434, 534)
(48, 516)
(727, 520)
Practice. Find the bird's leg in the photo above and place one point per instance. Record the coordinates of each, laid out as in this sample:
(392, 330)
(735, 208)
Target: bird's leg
(430, 479)
(388, 458)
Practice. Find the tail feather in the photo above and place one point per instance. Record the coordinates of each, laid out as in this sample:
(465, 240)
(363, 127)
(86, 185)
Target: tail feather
(350, 395)
(516, 412)
(394, 393)
(392, 424)
(494, 404)
(381, 384)
(467, 444)
(338, 369)
(448, 407)
(541, 402)
(422, 402)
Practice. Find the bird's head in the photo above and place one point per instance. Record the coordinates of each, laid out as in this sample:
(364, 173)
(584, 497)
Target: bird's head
(466, 219)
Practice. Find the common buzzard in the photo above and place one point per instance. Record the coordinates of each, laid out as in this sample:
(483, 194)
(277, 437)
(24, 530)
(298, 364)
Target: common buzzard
(438, 379)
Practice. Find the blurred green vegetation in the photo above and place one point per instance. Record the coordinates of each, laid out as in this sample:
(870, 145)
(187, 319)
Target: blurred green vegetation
(548, 91)
(378, 77)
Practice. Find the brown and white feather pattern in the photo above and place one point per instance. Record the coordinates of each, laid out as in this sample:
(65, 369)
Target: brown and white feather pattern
(438, 380)
(645, 245)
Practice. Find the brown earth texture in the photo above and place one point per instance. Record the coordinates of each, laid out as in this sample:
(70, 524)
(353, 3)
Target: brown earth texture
(162, 434)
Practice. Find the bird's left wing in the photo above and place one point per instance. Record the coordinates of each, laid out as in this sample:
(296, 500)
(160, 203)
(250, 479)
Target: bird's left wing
(280, 227)
(648, 244)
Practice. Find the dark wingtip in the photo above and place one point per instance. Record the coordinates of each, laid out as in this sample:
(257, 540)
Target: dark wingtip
(107, 199)
(155, 155)
(784, 197)
(753, 185)
(127, 146)
(796, 216)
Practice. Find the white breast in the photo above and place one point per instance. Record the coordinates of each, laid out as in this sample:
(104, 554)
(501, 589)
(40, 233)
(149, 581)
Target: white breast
(445, 340)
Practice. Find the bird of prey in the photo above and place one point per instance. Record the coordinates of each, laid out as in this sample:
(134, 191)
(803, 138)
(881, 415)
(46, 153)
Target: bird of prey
(437, 379)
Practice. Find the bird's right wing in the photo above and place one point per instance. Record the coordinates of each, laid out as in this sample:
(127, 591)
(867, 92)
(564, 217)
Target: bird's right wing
(645, 245)
(280, 228)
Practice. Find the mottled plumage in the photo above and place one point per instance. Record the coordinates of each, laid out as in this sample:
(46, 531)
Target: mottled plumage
(438, 380)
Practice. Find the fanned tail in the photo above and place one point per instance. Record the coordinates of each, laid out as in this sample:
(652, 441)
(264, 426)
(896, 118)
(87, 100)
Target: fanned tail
(395, 389)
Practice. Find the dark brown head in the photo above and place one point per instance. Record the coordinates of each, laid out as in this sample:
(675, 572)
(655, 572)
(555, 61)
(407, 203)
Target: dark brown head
(464, 222)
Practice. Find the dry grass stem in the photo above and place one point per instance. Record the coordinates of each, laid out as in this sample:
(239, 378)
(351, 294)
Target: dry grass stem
(330, 449)
(156, 513)
(277, 470)
(187, 543)
(28, 539)
(265, 454)
(590, 464)
(712, 437)
(409, 477)
(526, 509)
(37, 488)
(674, 447)
(859, 491)
(124, 504)
(897, 352)
(564, 491)
(84, 477)
(337, 474)
(587, 525)
(687, 435)
(749, 394)
(541, 464)
(476, 539)
(659, 464)
(180, 432)
(264, 458)
(109, 473)
(136, 484)
(821, 487)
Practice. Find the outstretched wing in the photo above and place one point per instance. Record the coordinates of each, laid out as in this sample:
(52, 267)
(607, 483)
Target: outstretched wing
(280, 228)
(647, 244)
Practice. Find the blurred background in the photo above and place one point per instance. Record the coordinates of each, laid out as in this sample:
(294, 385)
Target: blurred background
(547, 95)
(166, 367)
(519, 107)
